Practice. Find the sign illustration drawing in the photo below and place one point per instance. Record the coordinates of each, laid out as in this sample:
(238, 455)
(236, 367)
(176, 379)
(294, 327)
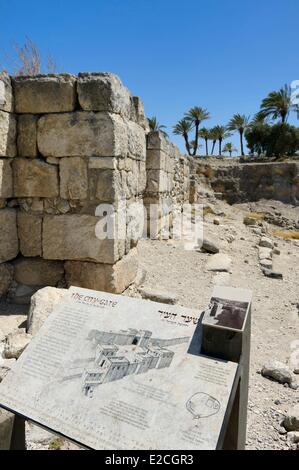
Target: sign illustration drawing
(118, 354)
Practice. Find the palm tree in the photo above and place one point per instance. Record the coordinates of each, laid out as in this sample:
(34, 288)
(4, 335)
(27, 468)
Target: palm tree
(183, 127)
(213, 137)
(240, 123)
(278, 104)
(156, 127)
(229, 148)
(205, 134)
(221, 134)
(195, 116)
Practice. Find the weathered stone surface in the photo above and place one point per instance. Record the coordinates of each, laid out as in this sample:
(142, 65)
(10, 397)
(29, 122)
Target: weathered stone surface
(82, 134)
(8, 132)
(6, 186)
(103, 92)
(158, 295)
(265, 253)
(109, 278)
(6, 427)
(15, 344)
(219, 262)
(291, 421)
(102, 163)
(136, 141)
(108, 186)
(45, 94)
(35, 178)
(41, 306)
(266, 242)
(278, 371)
(272, 274)
(6, 277)
(157, 141)
(222, 279)
(73, 237)
(30, 234)
(138, 113)
(38, 272)
(27, 135)
(73, 178)
(6, 95)
(9, 244)
(266, 263)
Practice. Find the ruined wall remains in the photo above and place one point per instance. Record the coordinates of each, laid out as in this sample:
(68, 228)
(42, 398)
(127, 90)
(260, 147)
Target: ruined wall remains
(69, 144)
(167, 185)
(240, 182)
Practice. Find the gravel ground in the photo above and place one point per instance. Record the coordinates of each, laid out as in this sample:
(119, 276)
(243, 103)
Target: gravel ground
(275, 312)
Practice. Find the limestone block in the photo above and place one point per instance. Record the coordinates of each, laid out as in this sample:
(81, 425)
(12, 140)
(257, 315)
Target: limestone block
(73, 237)
(138, 113)
(102, 163)
(42, 304)
(158, 295)
(155, 159)
(27, 135)
(6, 277)
(38, 272)
(35, 178)
(73, 178)
(136, 141)
(157, 181)
(103, 92)
(157, 141)
(6, 95)
(6, 187)
(9, 244)
(30, 234)
(108, 186)
(109, 278)
(6, 427)
(8, 146)
(82, 134)
(45, 94)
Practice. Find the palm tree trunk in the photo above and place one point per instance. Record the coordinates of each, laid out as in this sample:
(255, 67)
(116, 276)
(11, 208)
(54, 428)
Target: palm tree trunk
(207, 148)
(213, 148)
(196, 138)
(187, 144)
(230, 154)
(220, 147)
(242, 146)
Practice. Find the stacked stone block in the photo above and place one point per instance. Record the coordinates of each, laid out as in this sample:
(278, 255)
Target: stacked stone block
(67, 145)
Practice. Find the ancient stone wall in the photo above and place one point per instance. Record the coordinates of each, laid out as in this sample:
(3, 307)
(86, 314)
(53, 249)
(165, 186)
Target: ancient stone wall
(240, 182)
(68, 145)
(167, 185)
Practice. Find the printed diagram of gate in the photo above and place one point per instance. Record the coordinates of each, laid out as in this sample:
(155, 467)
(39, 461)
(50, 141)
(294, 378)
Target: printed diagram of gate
(122, 353)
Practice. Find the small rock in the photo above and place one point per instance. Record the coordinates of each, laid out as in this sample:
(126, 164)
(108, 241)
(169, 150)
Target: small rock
(278, 371)
(230, 238)
(266, 242)
(249, 221)
(219, 262)
(257, 231)
(272, 274)
(15, 344)
(276, 251)
(5, 366)
(163, 297)
(209, 246)
(291, 421)
(265, 253)
(266, 263)
(293, 437)
(216, 222)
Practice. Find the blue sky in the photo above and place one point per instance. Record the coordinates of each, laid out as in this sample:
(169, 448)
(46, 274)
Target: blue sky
(224, 55)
